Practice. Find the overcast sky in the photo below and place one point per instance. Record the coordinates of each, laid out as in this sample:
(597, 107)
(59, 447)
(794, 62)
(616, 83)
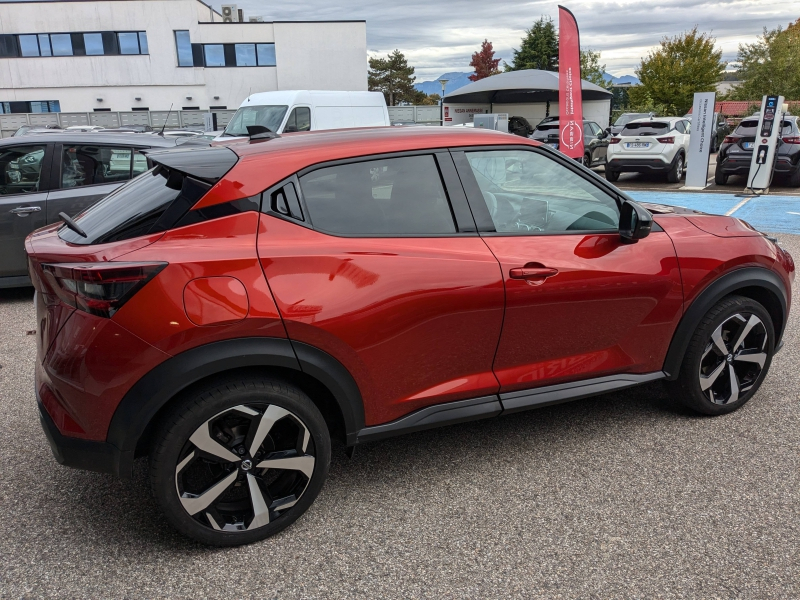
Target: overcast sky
(439, 36)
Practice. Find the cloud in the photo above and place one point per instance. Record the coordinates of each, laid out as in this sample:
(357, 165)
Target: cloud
(441, 36)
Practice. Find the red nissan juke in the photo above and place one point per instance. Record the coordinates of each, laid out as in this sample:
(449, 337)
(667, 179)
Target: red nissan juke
(233, 309)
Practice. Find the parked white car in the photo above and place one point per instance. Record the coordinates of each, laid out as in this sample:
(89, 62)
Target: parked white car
(652, 145)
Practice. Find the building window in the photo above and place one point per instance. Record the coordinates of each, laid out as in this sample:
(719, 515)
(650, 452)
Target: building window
(266, 55)
(28, 45)
(143, 47)
(183, 43)
(214, 55)
(246, 55)
(36, 106)
(128, 43)
(8, 46)
(93, 42)
(44, 44)
(61, 43)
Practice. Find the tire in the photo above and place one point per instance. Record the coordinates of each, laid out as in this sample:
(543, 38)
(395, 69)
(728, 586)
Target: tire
(206, 451)
(732, 378)
(611, 175)
(587, 160)
(794, 178)
(676, 172)
(720, 178)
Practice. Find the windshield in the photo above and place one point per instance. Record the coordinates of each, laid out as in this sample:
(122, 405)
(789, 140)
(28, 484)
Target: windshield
(270, 117)
(627, 118)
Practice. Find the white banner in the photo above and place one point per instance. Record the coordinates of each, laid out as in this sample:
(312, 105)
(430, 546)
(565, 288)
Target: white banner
(703, 130)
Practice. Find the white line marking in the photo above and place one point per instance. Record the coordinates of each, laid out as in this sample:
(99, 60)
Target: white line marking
(738, 206)
(792, 213)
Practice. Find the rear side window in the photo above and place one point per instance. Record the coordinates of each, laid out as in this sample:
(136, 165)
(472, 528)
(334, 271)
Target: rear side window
(93, 165)
(646, 128)
(390, 196)
(20, 169)
(148, 204)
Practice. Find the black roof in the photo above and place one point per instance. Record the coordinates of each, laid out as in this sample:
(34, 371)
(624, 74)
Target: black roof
(145, 140)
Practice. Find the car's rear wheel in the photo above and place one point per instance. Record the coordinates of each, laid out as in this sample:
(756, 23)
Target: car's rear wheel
(720, 178)
(239, 460)
(794, 178)
(676, 172)
(727, 358)
(587, 160)
(612, 175)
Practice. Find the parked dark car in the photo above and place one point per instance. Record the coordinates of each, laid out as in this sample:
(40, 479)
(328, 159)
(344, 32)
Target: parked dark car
(28, 129)
(519, 126)
(44, 174)
(236, 310)
(595, 140)
(130, 129)
(721, 129)
(736, 151)
(626, 118)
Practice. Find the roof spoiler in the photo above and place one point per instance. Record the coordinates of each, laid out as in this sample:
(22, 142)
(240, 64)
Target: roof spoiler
(208, 163)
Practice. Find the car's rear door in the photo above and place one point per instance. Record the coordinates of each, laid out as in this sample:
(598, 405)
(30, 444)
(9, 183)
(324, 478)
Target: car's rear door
(377, 262)
(84, 173)
(580, 302)
(24, 170)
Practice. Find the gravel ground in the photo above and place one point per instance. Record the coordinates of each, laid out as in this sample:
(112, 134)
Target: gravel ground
(621, 496)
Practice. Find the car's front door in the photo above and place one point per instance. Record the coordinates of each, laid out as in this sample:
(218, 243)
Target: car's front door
(24, 171)
(580, 302)
(382, 268)
(86, 173)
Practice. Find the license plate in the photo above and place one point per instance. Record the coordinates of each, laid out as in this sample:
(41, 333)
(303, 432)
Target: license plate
(637, 145)
(553, 146)
(748, 145)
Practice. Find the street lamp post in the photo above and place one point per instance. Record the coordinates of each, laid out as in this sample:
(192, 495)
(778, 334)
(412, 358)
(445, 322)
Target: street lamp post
(441, 100)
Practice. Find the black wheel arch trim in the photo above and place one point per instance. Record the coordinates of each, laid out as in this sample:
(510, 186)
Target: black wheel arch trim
(746, 277)
(155, 389)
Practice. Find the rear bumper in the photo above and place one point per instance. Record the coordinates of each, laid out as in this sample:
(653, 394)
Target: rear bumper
(740, 165)
(657, 164)
(88, 455)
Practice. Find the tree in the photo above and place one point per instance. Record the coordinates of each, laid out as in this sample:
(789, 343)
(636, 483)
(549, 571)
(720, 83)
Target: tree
(681, 66)
(429, 100)
(393, 77)
(592, 70)
(484, 62)
(771, 65)
(539, 48)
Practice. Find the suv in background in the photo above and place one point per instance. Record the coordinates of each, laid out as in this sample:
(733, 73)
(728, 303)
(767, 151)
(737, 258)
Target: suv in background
(650, 146)
(234, 309)
(44, 174)
(721, 129)
(736, 151)
(626, 118)
(595, 140)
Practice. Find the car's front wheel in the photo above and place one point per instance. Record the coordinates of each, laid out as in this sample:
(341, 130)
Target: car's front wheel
(727, 358)
(239, 460)
(611, 175)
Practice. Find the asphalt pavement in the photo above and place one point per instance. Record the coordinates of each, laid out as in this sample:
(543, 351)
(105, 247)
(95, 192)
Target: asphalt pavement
(626, 495)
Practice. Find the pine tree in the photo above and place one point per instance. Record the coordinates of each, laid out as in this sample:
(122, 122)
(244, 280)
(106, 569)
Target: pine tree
(539, 48)
(393, 77)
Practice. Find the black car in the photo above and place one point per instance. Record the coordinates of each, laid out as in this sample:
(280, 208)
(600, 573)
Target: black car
(736, 151)
(44, 174)
(595, 140)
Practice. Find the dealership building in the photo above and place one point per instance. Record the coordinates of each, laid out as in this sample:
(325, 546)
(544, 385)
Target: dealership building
(147, 55)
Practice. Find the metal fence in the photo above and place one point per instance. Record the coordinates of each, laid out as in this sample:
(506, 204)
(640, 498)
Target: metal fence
(177, 119)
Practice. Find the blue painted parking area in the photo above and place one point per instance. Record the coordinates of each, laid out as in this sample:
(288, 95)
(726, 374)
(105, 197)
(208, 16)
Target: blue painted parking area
(772, 214)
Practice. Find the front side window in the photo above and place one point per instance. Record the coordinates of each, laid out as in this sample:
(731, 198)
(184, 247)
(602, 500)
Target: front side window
(20, 169)
(299, 120)
(92, 165)
(527, 192)
(61, 43)
(183, 44)
(270, 116)
(388, 196)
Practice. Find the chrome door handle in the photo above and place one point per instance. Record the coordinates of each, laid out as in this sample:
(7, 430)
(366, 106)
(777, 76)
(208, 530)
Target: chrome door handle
(24, 211)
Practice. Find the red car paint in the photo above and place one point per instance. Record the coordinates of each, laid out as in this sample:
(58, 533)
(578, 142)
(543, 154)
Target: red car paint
(416, 321)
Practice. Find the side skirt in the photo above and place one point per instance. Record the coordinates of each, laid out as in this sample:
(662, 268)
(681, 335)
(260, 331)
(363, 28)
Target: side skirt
(485, 407)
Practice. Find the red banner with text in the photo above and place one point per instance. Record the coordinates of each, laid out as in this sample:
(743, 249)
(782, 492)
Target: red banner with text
(570, 107)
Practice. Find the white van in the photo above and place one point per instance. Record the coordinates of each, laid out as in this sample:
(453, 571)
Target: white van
(308, 110)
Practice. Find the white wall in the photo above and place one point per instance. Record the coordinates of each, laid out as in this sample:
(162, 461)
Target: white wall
(593, 110)
(324, 55)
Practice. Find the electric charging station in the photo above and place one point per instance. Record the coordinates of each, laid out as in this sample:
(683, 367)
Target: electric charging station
(762, 164)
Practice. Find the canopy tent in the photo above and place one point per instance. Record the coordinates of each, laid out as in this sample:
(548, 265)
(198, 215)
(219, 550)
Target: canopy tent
(526, 86)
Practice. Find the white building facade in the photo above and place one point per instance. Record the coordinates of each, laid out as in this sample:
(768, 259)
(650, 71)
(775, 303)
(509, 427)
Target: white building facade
(139, 55)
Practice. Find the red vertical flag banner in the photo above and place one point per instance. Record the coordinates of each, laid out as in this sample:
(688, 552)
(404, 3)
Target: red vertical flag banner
(570, 106)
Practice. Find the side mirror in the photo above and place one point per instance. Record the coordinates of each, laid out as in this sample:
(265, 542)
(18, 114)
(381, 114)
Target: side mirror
(634, 222)
(603, 134)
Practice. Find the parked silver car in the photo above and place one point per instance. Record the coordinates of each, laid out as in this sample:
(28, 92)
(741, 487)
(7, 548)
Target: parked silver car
(44, 174)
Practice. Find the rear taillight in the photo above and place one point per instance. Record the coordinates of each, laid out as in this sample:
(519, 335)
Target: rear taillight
(791, 139)
(99, 288)
(666, 140)
(730, 140)
(614, 141)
